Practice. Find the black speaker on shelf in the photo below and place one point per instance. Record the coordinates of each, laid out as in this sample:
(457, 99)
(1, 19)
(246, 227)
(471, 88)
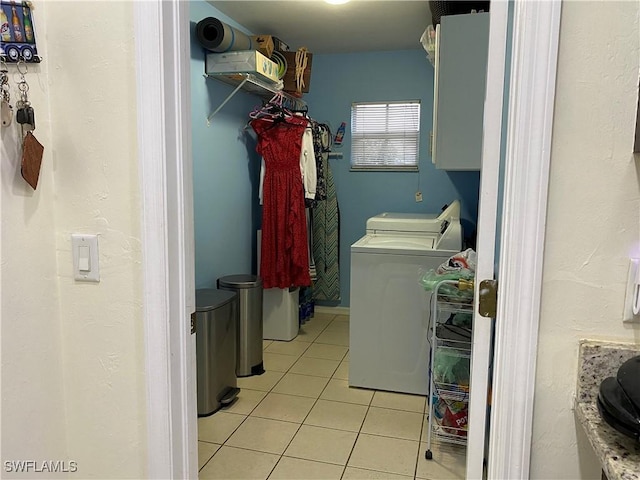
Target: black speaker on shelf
(440, 8)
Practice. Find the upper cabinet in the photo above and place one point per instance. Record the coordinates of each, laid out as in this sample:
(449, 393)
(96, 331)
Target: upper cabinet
(459, 89)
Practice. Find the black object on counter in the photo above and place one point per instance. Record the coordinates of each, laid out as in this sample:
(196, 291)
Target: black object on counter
(619, 399)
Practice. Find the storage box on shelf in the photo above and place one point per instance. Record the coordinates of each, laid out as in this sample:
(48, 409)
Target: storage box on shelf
(264, 44)
(289, 79)
(244, 61)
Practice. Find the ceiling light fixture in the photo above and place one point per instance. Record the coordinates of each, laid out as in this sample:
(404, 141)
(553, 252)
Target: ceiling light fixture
(336, 2)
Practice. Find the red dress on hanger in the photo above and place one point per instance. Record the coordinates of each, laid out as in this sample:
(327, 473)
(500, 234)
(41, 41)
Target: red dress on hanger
(284, 259)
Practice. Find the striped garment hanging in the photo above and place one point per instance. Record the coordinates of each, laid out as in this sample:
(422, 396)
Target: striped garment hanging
(326, 241)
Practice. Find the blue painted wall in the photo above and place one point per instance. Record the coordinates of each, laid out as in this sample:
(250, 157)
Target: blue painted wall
(226, 166)
(338, 80)
(226, 170)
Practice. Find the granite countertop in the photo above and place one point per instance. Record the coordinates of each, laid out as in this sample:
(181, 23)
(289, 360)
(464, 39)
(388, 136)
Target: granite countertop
(619, 455)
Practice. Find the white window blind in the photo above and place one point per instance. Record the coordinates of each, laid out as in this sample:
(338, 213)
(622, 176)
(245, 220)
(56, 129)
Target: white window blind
(385, 136)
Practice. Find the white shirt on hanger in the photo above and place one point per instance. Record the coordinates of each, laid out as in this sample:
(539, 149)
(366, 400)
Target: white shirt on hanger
(307, 167)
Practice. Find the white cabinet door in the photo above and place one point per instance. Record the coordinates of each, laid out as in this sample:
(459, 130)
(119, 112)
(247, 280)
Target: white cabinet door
(460, 77)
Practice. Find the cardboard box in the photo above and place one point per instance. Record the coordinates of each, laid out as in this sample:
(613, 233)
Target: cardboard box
(264, 44)
(280, 45)
(242, 61)
(290, 76)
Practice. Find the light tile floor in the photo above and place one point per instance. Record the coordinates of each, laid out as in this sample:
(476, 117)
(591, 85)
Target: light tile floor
(301, 420)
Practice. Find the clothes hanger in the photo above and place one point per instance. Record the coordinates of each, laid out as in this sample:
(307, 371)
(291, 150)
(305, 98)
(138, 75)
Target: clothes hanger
(304, 111)
(267, 110)
(273, 108)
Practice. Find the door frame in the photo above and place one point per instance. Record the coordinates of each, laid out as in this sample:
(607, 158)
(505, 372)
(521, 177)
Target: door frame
(163, 81)
(534, 58)
(164, 144)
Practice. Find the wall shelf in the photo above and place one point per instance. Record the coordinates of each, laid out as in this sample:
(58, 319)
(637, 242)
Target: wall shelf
(251, 84)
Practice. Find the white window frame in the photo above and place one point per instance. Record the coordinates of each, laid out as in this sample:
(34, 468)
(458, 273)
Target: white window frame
(361, 167)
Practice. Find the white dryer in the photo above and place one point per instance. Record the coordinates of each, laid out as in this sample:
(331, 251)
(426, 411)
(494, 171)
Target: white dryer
(389, 309)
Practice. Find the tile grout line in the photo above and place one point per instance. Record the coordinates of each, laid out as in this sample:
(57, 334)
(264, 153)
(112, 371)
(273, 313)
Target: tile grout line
(358, 435)
(288, 370)
(314, 403)
(271, 390)
(248, 415)
(300, 425)
(312, 406)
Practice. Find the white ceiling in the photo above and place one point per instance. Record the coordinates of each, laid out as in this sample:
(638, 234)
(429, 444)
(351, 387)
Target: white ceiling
(360, 25)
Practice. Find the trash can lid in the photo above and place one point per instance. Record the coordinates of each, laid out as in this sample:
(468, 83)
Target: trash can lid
(212, 298)
(240, 281)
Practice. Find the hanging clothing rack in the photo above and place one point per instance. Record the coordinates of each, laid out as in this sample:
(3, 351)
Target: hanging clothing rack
(251, 84)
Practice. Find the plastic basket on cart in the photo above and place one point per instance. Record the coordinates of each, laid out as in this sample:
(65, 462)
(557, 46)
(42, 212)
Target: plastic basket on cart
(449, 368)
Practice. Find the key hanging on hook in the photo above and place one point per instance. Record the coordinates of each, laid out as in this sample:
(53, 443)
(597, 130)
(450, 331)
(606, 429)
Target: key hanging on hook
(32, 150)
(6, 110)
(25, 114)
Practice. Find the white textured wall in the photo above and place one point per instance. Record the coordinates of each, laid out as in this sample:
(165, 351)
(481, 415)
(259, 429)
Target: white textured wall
(593, 221)
(33, 415)
(73, 385)
(93, 114)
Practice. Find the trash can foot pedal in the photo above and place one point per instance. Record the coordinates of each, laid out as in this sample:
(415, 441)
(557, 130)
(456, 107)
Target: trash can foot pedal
(229, 396)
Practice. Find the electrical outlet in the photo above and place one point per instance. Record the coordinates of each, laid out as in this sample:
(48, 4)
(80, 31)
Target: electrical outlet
(632, 292)
(418, 196)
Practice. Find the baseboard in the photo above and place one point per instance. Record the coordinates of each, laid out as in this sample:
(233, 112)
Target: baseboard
(332, 310)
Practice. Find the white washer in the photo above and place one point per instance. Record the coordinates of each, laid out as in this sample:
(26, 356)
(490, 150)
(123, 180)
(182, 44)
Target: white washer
(389, 309)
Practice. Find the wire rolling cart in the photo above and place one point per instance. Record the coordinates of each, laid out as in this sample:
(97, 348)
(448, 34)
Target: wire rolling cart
(449, 364)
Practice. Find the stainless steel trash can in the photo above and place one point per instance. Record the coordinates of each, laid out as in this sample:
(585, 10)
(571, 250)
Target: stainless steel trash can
(249, 353)
(216, 320)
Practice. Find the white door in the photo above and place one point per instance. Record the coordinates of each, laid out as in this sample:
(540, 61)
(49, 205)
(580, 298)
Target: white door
(486, 240)
(162, 59)
(521, 189)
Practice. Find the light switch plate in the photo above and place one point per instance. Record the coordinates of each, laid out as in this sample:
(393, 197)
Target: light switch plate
(85, 241)
(628, 315)
(418, 196)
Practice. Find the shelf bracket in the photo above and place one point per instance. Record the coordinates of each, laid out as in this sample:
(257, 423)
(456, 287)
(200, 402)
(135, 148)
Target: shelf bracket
(240, 85)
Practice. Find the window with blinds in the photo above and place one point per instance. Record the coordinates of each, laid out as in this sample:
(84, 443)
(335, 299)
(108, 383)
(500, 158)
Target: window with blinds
(385, 136)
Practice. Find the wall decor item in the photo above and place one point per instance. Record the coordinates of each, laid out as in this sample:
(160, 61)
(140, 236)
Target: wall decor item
(17, 35)
(6, 110)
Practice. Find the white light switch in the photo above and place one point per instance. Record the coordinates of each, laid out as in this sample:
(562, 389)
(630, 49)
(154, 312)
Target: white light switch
(85, 257)
(84, 260)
